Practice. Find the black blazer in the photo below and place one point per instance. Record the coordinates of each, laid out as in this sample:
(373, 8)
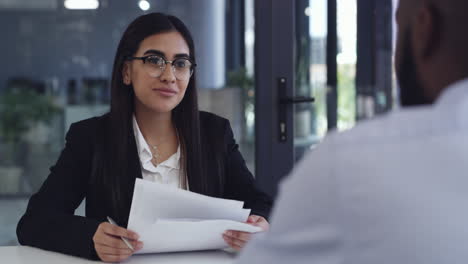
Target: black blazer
(49, 222)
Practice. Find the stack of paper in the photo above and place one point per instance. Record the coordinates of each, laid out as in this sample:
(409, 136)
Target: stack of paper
(169, 219)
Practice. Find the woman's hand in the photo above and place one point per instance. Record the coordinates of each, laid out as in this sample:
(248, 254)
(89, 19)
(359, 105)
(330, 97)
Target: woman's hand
(110, 247)
(237, 239)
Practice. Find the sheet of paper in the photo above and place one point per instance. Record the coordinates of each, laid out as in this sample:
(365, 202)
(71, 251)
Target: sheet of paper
(176, 235)
(170, 219)
(164, 201)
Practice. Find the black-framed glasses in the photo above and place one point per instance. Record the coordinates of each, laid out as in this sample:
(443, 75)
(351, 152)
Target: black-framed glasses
(155, 65)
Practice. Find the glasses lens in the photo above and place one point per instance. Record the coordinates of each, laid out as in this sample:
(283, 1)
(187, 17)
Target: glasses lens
(182, 69)
(154, 65)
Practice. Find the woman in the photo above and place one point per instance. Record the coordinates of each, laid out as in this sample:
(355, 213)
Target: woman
(153, 131)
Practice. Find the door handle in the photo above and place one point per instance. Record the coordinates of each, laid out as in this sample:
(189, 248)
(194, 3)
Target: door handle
(284, 102)
(297, 100)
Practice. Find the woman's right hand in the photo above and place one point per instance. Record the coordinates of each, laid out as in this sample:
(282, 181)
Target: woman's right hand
(110, 247)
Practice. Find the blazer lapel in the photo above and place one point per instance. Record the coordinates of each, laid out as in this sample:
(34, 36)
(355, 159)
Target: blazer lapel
(133, 172)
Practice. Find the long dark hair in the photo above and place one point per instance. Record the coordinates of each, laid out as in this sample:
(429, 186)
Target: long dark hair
(120, 138)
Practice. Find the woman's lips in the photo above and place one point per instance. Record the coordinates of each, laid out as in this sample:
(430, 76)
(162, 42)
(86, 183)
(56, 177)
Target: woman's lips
(165, 92)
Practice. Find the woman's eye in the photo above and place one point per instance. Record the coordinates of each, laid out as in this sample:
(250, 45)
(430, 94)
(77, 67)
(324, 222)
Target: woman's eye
(155, 60)
(181, 63)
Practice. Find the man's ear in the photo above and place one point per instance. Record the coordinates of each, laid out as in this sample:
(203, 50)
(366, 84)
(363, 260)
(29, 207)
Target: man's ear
(426, 35)
(126, 73)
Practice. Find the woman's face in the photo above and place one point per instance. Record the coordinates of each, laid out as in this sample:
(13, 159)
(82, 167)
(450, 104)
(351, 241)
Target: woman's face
(161, 93)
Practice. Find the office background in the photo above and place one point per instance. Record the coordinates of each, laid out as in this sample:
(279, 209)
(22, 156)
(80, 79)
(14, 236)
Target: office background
(58, 54)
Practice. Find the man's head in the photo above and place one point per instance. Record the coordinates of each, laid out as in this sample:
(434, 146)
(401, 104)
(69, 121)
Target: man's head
(432, 48)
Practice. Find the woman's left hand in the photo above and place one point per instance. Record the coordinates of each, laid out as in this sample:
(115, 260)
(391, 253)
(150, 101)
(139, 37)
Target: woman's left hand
(237, 239)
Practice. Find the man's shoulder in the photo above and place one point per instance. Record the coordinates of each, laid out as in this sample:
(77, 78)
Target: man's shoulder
(396, 126)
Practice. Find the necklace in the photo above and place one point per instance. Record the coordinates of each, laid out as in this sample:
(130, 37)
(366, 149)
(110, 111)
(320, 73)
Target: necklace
(155, 153)
(183, 182)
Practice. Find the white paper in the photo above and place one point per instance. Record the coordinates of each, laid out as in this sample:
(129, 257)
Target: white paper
(170, 219)
(175, 235)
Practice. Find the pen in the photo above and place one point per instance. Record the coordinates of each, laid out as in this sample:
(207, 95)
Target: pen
(123, 238)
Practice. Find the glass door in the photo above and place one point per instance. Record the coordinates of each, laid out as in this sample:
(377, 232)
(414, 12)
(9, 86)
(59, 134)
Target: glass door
(310, 119)
(308, 81)
(325, 63)
(304, 79)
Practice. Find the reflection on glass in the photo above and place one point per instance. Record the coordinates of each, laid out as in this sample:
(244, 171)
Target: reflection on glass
(346, 60)
(311, 69)
(394, 39)
(248, 144)
(310, 120)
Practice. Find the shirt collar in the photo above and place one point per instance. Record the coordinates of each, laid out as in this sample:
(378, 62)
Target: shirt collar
(144, 151)
(173, 161)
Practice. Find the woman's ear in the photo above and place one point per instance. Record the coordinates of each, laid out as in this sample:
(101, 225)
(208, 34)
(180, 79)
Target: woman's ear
(126, 74)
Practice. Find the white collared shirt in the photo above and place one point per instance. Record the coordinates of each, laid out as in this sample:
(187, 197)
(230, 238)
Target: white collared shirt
(391, 190)
(167, 172)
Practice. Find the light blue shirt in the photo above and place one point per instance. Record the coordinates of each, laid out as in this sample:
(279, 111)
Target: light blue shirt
(392, 190)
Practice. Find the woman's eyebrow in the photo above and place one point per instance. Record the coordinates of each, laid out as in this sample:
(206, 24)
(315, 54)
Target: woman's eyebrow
(181, 55)
(160, 53)
(155, 52)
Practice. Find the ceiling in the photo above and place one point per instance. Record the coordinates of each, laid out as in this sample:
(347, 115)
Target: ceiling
(29, 4)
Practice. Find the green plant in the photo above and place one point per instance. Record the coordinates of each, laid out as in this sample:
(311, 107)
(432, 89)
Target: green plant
(19, 109)
(240, 78)
(346, 96)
